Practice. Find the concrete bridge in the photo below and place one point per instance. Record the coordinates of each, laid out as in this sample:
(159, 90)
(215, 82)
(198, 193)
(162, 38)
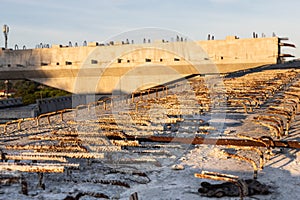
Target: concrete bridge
(124, 68)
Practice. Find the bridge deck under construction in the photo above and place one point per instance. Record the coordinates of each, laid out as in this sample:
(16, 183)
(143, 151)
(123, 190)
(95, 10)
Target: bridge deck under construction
(120, 143)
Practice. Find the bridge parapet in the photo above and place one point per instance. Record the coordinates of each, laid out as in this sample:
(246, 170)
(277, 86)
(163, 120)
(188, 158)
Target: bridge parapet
(60, 66)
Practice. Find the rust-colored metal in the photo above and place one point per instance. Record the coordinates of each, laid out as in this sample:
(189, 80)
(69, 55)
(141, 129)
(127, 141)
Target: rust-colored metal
(243, 189)
(242, 158)
(286, 44)
(256, 149)
(217, 176)
(213, 141)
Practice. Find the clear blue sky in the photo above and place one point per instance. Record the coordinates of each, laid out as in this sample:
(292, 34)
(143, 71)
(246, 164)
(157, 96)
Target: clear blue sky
(60, 21)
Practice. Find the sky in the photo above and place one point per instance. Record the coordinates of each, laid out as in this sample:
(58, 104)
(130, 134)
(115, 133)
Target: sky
(32, 22)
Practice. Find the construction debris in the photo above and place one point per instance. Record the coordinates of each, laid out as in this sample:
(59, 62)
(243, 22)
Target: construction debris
(252, 187)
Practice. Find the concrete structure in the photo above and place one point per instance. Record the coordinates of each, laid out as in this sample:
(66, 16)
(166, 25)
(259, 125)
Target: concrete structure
(59, 103)
(14, 113)
(124, 68)
(12, 108)
(234, 54)
(10, 102)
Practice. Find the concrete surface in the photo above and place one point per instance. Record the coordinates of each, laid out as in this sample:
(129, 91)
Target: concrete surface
(129, 67)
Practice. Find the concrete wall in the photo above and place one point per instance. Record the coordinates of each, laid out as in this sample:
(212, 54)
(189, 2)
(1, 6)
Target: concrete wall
(235, 54)
(7, 115)
(59, 103)
(11, 102)
(13, 113)
(229, 51)
(101, 69)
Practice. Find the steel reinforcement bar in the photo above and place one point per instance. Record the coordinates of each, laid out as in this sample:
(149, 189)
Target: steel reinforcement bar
(213, 141)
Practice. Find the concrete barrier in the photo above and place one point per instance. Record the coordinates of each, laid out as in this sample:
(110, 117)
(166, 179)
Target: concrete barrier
(19, 112)
(59, 103)
(11, 102)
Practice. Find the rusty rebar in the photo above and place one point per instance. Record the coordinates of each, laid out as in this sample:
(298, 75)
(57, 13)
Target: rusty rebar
(212, 141)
